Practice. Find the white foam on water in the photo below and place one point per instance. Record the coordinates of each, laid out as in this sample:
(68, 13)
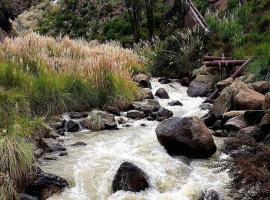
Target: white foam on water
(92, 168)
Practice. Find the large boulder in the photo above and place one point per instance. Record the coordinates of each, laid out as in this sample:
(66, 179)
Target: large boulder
(201, 86)
(130, 177)
(46, 185)
(247, 99)
(186, 136)
(143, 80)
(162, 94)
(239, 97)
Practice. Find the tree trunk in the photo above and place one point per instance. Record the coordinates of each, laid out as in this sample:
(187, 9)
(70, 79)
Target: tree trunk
(149, 4)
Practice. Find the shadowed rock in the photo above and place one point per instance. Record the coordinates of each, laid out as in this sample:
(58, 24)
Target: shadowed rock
(130, 177)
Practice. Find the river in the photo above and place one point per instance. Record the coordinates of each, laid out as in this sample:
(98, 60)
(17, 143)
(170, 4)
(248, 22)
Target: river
(91, 168)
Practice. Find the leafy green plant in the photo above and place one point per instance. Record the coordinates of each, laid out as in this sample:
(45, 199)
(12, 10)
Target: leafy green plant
(179, 54)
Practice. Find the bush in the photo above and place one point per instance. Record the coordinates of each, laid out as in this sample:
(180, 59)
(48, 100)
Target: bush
(179, 54)
(7, 189)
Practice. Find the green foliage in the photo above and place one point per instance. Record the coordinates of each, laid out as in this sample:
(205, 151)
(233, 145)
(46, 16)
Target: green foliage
(179, 54)
(16, 159)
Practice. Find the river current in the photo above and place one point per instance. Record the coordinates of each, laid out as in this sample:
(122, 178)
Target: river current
(91, 168)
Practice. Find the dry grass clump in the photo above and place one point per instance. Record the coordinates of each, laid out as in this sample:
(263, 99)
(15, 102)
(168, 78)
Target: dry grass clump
(69, 56)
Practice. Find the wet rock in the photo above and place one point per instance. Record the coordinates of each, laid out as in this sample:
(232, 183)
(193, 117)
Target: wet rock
(143, 124)
(72, 126)
(77, 115)
(154, 103)
(164, 80)
(143, 80)
(200, 86)
(24, 196)
(261, 86)
(46, 185)
(143, 106)
(136, 114)
(121, 120)
(49, 157)
(209, 119)
(235, 124)
(162, 94)
(186, 136)
(206, 106)
(130, 177)
(113, 110)
(50, 145)
(175, 103)
(38, 153)
(63, 153)
(185, 81)
(253, 116)
(147, 93)
(76, 144)
(164, 113)
(211, 194)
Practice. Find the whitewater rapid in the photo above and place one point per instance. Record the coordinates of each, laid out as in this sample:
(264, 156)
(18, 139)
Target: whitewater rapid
(91, 168)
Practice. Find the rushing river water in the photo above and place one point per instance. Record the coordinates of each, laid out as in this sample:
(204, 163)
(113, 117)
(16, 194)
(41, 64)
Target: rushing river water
(91, 168)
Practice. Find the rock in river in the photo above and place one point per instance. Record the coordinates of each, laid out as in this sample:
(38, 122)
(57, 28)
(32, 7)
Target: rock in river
(186, 136)
(142, 80)
(130, 177)
(162, 94)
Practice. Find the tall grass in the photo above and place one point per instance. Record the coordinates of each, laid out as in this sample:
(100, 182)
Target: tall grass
(61, 74)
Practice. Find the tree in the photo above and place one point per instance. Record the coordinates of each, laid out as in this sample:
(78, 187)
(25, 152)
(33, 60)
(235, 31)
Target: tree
(149, 6)
(135, 14)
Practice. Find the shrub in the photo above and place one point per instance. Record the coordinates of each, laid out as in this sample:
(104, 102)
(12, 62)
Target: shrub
(179, 54)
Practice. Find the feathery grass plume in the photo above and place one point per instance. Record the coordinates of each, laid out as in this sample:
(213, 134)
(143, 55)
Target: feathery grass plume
(7, 189)
(16, 159)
